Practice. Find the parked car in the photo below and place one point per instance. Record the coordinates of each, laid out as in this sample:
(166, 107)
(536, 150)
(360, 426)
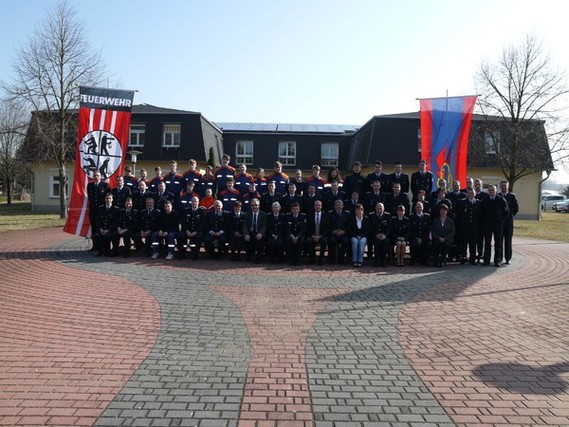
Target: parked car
(548, 201)
(562, 206)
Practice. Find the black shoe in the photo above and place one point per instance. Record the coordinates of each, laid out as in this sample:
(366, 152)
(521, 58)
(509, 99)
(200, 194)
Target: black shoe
(485, 264)
(320, 262)
(507, 262)
(497, 264)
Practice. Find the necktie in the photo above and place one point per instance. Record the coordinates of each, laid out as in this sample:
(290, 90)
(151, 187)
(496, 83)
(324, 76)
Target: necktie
(317, 226)
(255, 222)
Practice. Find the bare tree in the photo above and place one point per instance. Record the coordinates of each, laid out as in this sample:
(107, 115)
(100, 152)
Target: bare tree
(48, 72)
(13, 124)
(518, 94)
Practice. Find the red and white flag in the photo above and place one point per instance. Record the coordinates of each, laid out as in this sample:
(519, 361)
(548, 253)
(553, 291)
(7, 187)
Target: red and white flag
(103, 132)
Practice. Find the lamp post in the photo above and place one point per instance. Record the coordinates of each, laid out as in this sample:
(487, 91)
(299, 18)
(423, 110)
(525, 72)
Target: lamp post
(133, 157)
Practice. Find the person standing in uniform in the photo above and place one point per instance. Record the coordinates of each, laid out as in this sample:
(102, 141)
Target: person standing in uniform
(494, 213)
(254, 228)
(513, 209)
(96, 192)
(295, 232)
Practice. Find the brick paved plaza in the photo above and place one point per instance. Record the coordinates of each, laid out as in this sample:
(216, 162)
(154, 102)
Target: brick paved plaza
(86, 340)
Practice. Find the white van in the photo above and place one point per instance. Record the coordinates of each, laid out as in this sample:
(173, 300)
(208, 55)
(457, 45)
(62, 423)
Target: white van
(548, 201)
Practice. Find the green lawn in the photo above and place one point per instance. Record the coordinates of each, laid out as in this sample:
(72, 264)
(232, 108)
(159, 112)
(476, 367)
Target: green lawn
(18, 216)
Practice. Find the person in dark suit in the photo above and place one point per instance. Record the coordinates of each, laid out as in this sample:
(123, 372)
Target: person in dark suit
(419, 235)
(396, 198)
(373, 197)
(276, 224)
(338, 238)
(107, 223)
(254, 230)
(331, 194)
(127, 227)
(120, 193)
(316, 233)
(351, 203)
(421, 180)
(289, 198)
(443, 235)
(380, 232)
(148, 224)
(400, 231)
(215, 231)
(295, 232)
(355, 181)
(96, 192)
(421, 194)
(168, 229)
(377, 175)
(399, 177)
(269, 197)
(481, 195)
(494, 213)
(468, 212)
(440, 199)
(308, 199)
(359, 228)
(192, 229)
(513, 209)
(235, 237)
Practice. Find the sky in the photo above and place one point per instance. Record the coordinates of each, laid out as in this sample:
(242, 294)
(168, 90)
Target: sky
(318, 61)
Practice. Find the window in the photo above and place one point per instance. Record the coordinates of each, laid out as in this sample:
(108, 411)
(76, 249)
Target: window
(492, 142)
(171, 135)
(419, 139)
(287, 153)
(329, 154)
(137, 133)
(244, 152)
(54, 185)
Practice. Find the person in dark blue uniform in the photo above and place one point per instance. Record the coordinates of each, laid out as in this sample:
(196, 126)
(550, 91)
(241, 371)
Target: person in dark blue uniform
(380, 232)
(148, 224)
(400, 230)
(254, 228)
(469, 220)
(235, 220)
(295, 232)
(107, 223)
(338, 237)
(168, 229)
(494, 213)
(419, 235)
(127, 227)
(216, 231)
(192, 229)
(513, 209)
(276, 227)
(317, 233)
(96, 192)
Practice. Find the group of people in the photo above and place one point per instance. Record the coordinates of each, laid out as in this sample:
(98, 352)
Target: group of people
(315, 219)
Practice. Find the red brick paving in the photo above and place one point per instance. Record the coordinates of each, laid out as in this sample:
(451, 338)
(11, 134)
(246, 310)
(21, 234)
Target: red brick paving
(497, 351)
(70, 338)
(278, 321)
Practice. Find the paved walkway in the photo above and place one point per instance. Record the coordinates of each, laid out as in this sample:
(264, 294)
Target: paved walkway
(92, 341)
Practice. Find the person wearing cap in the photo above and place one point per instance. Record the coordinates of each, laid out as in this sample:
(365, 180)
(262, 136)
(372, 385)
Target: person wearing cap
(235, 220)
(443, 236)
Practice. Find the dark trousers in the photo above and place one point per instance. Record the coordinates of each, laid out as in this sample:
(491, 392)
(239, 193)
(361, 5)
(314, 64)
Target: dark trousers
(440, 251)
(338, 247)
(209, 243)
(294, 249)
(381, 249)
(469, 242)
(493, 229)
(311, 248)
(420, 253)
(508, 234)
(275, 246)
(195, 244)
(255, 248)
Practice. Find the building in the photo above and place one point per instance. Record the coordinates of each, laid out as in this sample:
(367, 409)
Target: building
(163, 134)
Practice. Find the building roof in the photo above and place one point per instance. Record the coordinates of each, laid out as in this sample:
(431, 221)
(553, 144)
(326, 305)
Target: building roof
(286, 127)
(153, 109)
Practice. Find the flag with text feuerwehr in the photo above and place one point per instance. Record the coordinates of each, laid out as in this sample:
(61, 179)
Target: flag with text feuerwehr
(102, 139)
(445, 127)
